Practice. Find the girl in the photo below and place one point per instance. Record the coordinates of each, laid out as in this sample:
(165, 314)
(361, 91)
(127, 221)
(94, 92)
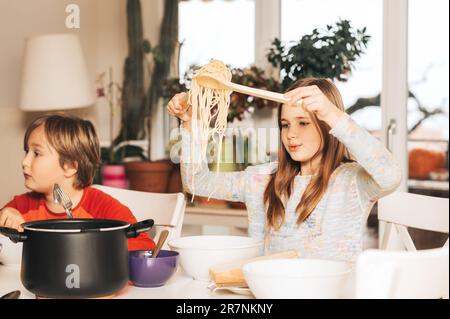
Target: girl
(317, 197)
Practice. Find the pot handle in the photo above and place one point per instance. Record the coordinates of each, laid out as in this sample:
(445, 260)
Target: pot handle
(134, 230)
(14, 235)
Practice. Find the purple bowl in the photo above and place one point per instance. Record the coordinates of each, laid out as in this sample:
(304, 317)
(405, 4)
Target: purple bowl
(146, 271)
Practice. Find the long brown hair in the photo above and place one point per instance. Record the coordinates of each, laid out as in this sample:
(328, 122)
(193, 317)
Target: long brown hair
(333, 154)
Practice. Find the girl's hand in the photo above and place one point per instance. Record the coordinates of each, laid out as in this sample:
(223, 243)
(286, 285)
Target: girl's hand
(178, 106)
(312, 99)
(11, 218)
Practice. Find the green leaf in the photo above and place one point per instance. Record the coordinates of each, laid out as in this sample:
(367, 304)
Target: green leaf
(146, 46)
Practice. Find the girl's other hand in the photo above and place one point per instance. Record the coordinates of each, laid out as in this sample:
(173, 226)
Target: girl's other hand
(178, 106)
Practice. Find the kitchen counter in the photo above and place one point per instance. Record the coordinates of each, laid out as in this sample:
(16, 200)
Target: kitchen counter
(180, 286)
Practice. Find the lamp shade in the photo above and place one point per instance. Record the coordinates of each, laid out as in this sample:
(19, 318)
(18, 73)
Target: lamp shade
(55, 75)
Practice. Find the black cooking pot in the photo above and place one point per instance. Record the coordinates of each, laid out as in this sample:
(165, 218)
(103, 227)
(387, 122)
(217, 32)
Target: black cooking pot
(75, 258)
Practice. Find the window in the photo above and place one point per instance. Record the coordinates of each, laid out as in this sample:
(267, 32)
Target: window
(300, 17)
(428, 77)
(223, 30)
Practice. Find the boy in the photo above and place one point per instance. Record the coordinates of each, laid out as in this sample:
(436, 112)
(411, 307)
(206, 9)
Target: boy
(64, 149)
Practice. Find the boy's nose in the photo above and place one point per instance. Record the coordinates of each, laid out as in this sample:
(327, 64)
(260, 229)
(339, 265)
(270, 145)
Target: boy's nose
(25, 162)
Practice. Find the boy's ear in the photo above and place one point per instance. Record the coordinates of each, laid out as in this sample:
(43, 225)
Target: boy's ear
(70, 169)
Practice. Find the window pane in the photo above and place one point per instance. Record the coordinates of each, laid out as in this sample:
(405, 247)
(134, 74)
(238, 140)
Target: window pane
(223, 30)
(428, 74)
(300, 17)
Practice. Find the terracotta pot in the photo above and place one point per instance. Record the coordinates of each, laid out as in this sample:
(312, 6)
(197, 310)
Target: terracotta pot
(175, 183)
(212, 201)
(200, 200)
(149, 176)
(237, 205)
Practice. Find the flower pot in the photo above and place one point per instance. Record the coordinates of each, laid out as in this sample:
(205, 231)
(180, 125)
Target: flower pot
(200, 200)
(114, 176)
(212, 201)
(175, 183)
(237, 205)
(149, 176)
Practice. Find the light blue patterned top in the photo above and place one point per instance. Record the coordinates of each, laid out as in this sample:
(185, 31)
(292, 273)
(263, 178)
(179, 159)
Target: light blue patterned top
(334, 230)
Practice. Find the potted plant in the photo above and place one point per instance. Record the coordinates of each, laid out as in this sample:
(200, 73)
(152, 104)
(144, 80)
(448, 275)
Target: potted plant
(328, 53)
(145, 69)
(112, 171)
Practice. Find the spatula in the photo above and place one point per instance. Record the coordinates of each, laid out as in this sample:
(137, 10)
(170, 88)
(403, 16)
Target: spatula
(210, 81)
(161, 240)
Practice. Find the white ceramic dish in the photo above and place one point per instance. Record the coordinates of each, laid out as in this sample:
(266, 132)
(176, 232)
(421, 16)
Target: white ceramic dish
(297, 279)
(199, 253)
(11, 253)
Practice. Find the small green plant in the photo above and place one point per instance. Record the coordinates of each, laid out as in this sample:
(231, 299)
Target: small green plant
(328, 53)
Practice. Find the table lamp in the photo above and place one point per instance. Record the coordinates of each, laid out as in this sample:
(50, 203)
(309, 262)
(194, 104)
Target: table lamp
(55, 75)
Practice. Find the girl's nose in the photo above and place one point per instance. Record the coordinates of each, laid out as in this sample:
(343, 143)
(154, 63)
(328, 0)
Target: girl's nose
(292, 133)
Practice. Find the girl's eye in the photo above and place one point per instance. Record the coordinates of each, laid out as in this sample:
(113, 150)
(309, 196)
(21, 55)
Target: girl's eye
(36, 154)
(284, 125)
(304, 123)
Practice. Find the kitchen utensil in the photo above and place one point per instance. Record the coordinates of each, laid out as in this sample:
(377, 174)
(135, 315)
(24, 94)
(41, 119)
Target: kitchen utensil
(11, 295)
(210, 81)
(162, 239)
(63, 200)
(146, 271)
(75, 258)
(231, 273)
(297, 278)
(199, 253)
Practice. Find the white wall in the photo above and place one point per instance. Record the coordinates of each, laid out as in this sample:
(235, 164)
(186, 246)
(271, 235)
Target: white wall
(103, 36)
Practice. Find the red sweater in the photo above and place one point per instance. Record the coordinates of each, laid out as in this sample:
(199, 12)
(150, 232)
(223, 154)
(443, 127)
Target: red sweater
(93, 204)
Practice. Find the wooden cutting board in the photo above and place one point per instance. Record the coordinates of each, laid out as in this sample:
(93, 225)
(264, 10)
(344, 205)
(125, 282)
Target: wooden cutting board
(230, 274)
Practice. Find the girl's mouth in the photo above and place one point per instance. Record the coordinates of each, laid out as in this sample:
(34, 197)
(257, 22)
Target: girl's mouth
(294, 148)
(27, 176)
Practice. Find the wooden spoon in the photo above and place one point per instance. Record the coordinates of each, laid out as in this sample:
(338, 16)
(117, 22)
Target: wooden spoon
(11, 295)
(210, 81)
(161, 240)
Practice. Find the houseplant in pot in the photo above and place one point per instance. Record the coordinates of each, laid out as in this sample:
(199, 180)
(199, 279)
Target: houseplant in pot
(329, 52)
(143, 64)
(112, 171)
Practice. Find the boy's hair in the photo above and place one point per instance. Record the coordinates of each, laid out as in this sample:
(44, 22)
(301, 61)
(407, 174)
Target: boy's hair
(75, 141)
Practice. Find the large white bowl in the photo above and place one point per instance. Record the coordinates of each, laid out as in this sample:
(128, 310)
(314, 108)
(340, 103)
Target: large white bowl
(10, 253)
(298, 279)
(199, 253)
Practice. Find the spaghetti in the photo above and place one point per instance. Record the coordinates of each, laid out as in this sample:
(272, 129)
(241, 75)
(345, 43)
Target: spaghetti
(209, 112)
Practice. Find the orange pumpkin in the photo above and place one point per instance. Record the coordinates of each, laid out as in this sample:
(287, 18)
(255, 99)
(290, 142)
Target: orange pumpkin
(423, 161)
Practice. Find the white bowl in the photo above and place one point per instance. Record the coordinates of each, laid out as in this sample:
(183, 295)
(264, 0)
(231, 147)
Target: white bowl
(199, 253)
(297, 279)
(10, 253)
